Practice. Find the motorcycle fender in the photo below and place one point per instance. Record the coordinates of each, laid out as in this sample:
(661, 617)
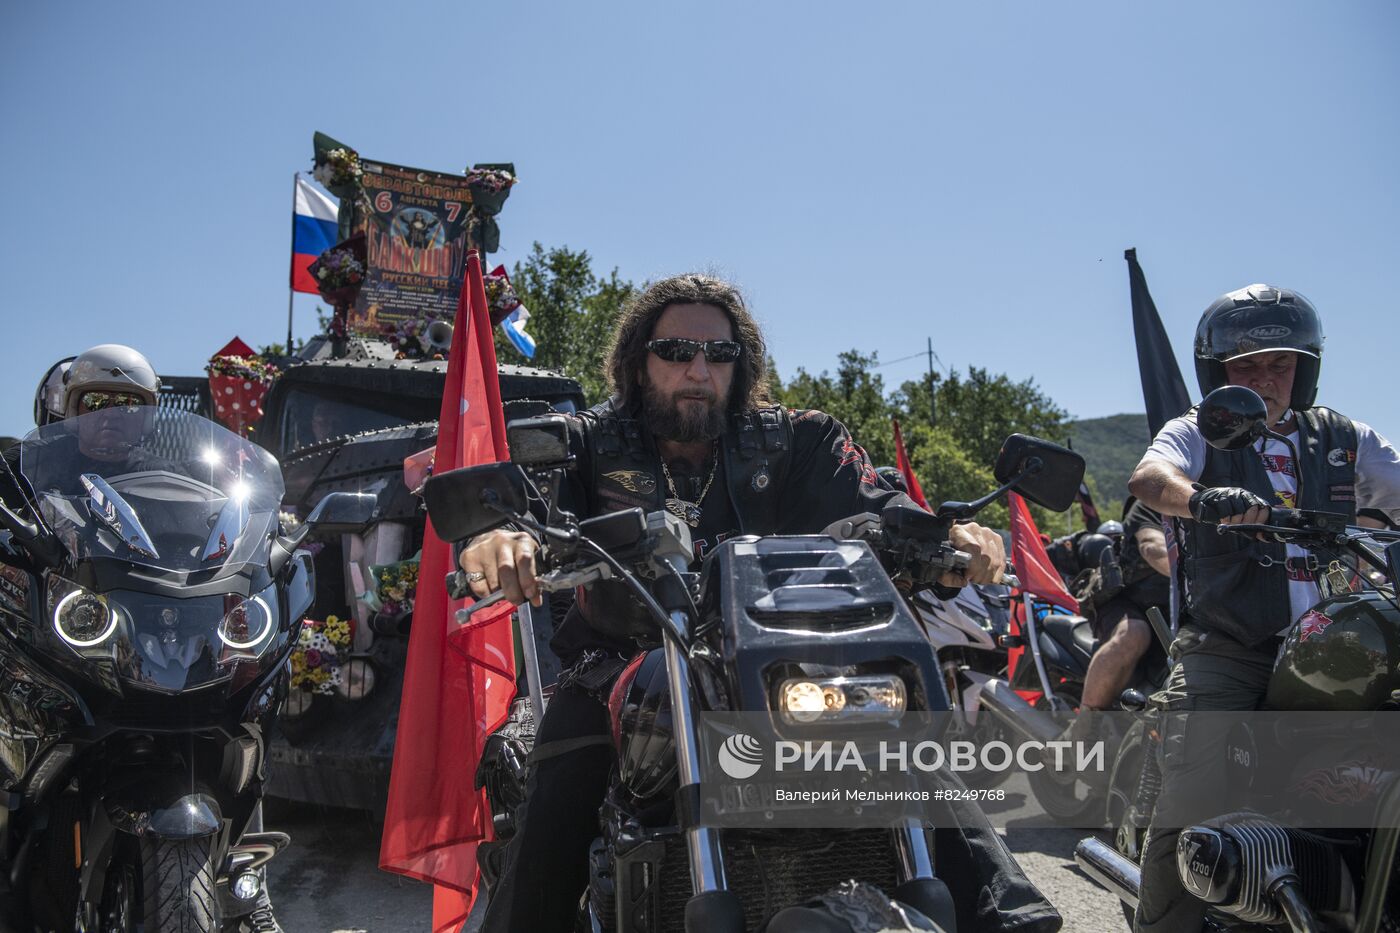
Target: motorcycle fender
(169, 816)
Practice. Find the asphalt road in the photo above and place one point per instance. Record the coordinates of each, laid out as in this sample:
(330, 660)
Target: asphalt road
(328, 880)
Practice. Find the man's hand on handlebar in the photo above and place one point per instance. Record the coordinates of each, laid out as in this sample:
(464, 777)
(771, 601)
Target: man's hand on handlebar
(502, 560)
(1229, 505)
(985, 548)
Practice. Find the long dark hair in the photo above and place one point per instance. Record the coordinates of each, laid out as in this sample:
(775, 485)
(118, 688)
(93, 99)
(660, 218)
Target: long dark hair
(628, 351)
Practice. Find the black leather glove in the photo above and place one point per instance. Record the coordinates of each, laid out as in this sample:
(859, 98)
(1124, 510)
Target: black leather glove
(1212, 505)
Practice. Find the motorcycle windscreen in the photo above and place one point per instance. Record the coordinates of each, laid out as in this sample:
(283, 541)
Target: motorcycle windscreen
(164, 489)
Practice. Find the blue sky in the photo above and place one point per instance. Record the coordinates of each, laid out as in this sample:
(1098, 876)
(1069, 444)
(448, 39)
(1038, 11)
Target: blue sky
(872, 175)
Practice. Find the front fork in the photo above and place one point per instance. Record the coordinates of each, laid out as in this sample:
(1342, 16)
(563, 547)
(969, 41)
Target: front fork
(718, 908)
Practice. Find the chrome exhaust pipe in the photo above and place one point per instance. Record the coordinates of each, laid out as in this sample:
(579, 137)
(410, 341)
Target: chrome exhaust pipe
(1113, 871)
(1025, 720)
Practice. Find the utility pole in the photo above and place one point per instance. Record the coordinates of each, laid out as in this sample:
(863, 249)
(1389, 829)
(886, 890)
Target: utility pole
(932, 389)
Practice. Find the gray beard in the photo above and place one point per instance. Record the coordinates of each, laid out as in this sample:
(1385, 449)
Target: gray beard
(669, 422)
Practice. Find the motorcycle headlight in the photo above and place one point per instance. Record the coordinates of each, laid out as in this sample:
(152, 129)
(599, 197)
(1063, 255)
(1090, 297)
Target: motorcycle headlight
(864, 698)
(247, 623)
(83, 619)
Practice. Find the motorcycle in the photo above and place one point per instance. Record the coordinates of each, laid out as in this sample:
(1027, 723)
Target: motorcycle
(148, 605)
(1251, 865)
(970, 634)
(758, 609)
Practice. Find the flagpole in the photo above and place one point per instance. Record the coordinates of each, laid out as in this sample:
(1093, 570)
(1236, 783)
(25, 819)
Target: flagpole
(291, 292)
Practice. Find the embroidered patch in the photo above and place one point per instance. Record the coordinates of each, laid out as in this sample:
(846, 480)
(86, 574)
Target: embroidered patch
(761, 479)
(1340, 456)
(1343, 492)
(1312, 623)
(633, 481)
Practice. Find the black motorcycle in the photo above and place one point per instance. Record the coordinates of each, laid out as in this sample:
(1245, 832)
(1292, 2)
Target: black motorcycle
(148, 604)
(1253, 864)
(773, 624)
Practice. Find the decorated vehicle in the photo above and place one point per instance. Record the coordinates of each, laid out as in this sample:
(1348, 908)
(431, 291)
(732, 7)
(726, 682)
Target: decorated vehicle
(349, 424)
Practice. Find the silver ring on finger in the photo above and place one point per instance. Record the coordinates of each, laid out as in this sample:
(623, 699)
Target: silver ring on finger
(475, 576)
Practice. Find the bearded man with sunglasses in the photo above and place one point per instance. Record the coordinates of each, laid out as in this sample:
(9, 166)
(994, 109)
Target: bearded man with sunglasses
(690, 428)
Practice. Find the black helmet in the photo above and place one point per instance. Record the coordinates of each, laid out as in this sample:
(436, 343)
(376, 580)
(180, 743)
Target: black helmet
(893, 477)
(1111, 528)
(1089, 550)
(1260, 319)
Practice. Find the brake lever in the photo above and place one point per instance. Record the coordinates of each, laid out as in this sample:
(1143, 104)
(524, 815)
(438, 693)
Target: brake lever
(550, 582)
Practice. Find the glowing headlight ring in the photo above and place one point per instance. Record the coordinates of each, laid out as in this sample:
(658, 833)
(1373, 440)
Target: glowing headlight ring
(267, 626)
(80, 642)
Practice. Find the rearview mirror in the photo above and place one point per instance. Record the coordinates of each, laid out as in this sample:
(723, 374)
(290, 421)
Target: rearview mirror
(1231, 417)
(1052, 473)
(347, 512)
(541, 442)
(466, 502)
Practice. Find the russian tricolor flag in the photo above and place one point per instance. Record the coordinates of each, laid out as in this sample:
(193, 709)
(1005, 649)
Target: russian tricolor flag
(314, 230)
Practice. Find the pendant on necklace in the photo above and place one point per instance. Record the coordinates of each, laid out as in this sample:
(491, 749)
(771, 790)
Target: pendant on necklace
(688, 512)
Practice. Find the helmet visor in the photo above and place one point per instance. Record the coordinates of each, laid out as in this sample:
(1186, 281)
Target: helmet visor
(1232, 333)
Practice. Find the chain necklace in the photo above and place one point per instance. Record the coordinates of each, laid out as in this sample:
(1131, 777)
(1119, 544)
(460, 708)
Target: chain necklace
(686, 511)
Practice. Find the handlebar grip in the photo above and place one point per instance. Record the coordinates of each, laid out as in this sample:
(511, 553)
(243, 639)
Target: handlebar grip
(464, 615)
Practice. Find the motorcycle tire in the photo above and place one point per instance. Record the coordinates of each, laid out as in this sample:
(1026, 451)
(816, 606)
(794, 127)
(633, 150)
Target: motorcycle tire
(1067, 803)
(178, 885)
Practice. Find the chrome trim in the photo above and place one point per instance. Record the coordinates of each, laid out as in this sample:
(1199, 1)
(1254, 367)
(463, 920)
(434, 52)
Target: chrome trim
(911, 845)
(233, 518)
(118, 515)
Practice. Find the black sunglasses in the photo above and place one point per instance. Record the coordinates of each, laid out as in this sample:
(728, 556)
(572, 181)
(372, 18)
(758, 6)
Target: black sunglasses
(681, 350)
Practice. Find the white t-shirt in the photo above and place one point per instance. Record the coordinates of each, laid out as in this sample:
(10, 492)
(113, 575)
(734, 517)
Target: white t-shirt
(1180, 444)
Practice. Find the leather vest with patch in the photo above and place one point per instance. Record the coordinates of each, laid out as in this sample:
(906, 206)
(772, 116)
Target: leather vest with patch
(626, 468)
(1237, 584)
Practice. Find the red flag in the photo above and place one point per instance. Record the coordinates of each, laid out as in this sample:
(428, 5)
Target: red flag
(1037, 574)
(901, 460)
(458, 681)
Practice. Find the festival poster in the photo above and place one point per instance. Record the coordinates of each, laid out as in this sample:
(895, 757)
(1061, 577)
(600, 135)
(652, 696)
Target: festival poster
(415, 226)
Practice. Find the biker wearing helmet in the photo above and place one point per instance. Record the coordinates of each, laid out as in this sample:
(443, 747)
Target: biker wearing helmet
(48, 398)
(1239, 593)
(117, 389)
(893, 477)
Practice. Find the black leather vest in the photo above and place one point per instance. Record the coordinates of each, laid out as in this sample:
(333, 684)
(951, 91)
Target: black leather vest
(1239, 585)
(627, 468)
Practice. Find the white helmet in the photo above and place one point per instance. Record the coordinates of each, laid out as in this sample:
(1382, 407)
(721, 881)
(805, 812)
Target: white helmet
(110, 367)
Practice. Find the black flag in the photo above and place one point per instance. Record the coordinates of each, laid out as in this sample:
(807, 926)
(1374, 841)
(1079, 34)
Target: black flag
(1163, 390)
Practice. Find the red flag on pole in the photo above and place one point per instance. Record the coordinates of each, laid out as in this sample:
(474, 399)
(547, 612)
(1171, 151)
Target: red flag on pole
(901, 460)
(458, 680)
(1037, 574)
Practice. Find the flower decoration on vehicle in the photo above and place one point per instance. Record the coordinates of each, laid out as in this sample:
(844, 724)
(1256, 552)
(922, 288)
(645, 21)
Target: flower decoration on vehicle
(500, 294)
(321, 651)
(337, 268)
(238, 381)
(490, 178)
(338, 168)
(409, 336)
(396, 585)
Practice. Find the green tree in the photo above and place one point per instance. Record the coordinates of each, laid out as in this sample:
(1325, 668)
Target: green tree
(572, 315)
(855, 396)
(982, 409)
